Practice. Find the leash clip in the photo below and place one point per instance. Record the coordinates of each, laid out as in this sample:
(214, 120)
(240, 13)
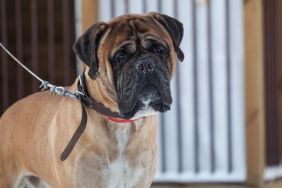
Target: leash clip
(59, 90)
(78, 94)
(44, 85)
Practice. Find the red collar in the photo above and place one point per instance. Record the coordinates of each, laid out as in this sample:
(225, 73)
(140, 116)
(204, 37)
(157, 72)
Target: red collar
(119, 120)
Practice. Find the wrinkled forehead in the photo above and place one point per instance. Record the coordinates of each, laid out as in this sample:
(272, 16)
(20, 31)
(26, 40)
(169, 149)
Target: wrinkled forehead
(135, 29)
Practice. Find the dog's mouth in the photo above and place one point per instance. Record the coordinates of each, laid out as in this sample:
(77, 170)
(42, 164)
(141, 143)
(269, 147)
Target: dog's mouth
(150, 98)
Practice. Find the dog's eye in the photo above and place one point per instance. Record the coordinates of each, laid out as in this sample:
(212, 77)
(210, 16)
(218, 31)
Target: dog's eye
(158, 51)
(156, 47)
(120, 57)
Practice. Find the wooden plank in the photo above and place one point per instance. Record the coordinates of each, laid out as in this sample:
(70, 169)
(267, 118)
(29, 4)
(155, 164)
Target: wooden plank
(279, 62)
(66, 41)
(51, 41)
(19, 47)
(271, 83)
(89, 13)
(4, 57)
(202, 79)
(34, 43)
(185, 71)
(237, 97)
(254, 91)
(219, 72)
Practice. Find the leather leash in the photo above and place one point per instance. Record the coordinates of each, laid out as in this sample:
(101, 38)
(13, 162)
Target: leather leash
(76, 135)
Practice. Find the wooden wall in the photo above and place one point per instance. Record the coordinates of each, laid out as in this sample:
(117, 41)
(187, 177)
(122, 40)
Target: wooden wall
(254, 91)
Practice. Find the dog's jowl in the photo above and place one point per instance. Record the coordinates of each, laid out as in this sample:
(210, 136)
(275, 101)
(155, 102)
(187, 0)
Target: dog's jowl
(106, 138)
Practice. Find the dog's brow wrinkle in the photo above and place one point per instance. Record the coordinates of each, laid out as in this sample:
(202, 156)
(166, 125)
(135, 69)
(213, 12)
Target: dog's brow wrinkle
(123, 44)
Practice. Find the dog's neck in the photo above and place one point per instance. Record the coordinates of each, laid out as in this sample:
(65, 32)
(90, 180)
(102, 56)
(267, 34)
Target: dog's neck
(102, 94)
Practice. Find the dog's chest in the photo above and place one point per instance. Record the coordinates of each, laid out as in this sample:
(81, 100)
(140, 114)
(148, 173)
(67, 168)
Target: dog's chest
(118, 172)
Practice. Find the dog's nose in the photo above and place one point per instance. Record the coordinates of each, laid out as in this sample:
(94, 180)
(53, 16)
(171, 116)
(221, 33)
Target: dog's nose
(145, 66)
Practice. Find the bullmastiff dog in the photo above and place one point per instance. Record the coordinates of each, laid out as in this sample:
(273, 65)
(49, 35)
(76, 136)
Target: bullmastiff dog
(107, 138)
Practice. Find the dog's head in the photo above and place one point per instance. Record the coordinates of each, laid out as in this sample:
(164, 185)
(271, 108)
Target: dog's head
(136, 54)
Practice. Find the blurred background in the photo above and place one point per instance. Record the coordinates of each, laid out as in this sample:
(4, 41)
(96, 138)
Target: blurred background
(224, 128)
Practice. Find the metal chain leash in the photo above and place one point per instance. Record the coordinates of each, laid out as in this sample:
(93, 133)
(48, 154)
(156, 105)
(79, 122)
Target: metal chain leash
(45, 85)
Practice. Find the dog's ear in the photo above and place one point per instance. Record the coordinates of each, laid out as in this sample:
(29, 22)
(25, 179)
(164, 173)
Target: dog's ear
(87, 45)
(174, 28)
